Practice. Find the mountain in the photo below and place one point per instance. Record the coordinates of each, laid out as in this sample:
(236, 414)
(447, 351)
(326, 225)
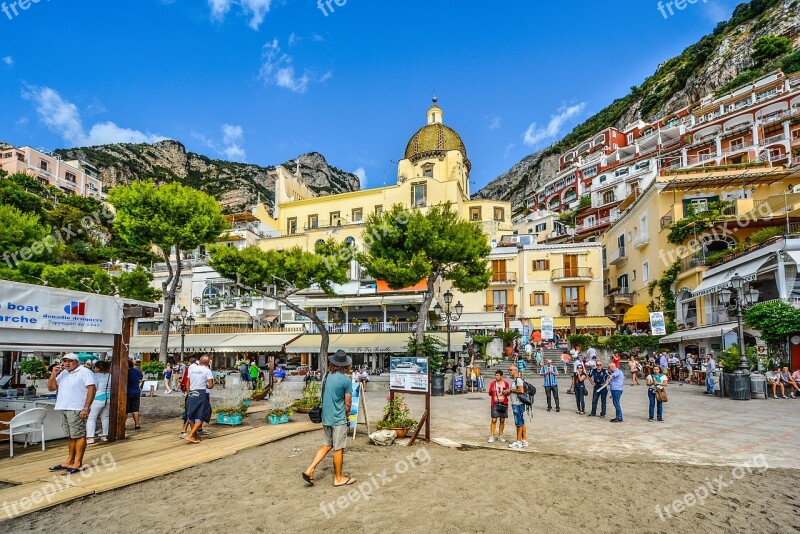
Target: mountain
(722, 60)
(237, 186)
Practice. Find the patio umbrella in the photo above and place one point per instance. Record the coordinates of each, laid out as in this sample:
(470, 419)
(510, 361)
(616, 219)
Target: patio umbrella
(637, 314)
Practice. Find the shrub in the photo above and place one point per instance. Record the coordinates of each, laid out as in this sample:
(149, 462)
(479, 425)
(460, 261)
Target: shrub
(791, 63)
(769, 47)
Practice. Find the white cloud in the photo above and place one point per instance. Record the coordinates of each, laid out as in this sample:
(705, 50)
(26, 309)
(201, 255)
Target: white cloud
(231, 146)
(62, 117)
(255, 9)
(494, 121)
(277, 69)
(362, 176)
(534, 135)
(292, 39)
(9, 61)
(509, 148)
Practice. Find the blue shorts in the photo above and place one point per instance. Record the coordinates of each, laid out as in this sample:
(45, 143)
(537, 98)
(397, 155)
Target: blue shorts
(519, 414)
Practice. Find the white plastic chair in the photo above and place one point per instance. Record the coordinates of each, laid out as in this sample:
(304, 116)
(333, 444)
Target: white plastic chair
(26, 423)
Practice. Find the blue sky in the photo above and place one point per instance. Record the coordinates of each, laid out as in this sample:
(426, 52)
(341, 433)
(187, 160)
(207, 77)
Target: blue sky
(262, 81)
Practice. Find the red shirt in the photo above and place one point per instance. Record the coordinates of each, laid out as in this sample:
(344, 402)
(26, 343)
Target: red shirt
(616, 360)
(503, 399)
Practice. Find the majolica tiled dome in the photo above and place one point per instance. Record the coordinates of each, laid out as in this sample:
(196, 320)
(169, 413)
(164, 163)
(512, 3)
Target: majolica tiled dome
(434, 139)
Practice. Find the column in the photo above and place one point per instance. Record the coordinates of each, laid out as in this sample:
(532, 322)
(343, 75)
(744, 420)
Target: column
(756, 140)
(780, 276)
(718, 141)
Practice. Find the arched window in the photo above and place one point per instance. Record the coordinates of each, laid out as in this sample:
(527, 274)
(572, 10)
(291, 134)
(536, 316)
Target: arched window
(350, 242)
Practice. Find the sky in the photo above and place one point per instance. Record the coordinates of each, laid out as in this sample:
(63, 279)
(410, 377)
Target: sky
(263, 81)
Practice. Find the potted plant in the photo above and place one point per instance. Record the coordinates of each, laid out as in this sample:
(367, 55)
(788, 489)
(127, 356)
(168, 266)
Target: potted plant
(153, 369)
(229, 302)
(394, 320)
(245, 301)
(373, 321)
(212, 303)
(280, 406)
(508, 337)
(260, 393)
(397, 417)
(311, 398)
(232, 407)
(34, 369)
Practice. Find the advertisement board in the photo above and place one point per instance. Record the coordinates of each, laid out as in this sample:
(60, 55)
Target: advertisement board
(408, 373)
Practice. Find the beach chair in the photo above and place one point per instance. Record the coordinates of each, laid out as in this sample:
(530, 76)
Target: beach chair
(25, 423)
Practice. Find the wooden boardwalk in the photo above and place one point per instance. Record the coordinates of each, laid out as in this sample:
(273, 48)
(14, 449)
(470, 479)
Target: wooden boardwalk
(146, 454)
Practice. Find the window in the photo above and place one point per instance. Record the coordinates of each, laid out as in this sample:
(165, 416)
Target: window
(540, 298)
(43, 165)
(622, 172)
(572, 294)
(589, 221)
(571, 265)
(336, 218)
(313, 222)
(358, 215)
(622, 283)
(475, 214)
(643, 165)
(608, 197)
(603, 179)
(630, 138)
(591, 171)
(541, 227)
(70, 177)
(633, 277)
(645, 271)
(499, 214)
(291, 226)
(427, 170)
(419, 195)
(378, 210)
(7, 155)
(541, 265)
(499, 299)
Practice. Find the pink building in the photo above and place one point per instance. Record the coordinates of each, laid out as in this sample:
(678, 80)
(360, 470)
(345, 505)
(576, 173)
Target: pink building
(72, 177)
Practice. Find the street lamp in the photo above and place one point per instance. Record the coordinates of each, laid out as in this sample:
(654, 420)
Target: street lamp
(446, 315)
(183, 324)
(736, 300)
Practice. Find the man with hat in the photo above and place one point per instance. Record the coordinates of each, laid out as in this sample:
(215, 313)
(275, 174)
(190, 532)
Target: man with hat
(76, 389)
(337, 396)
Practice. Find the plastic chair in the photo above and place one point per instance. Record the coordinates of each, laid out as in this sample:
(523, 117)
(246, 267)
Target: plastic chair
(27, 422)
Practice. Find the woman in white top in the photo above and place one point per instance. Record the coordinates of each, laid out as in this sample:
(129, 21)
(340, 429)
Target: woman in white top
(102, 402)
(656, 380)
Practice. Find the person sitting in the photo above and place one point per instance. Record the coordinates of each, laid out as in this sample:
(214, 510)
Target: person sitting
(787, 379)
(776, 380)
(279, 375)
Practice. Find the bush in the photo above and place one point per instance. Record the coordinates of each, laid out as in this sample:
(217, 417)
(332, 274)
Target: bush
(769, 47)
(743, 78)
(153, 368)
(791, 63)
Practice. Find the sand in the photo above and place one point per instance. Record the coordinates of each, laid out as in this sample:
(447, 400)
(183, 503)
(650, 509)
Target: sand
(433, 487)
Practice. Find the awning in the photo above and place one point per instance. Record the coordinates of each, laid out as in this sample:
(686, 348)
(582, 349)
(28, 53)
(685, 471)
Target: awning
(54, 341)
(580, 322)
(478, 320)
(338, 302)
(637, 314)
(705, 332)
(370, 342)
(722, 279)
(192, 342)
(258, 342)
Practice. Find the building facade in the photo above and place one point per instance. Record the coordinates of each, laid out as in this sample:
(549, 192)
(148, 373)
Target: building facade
(71, 177)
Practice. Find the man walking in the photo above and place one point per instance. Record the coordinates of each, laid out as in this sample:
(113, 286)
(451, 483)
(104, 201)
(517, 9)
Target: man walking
(244, 375)
(75, 389)
(616, 384)
(598, 378)
(711, 366)
(550, 373)
(337, 397)
(198, 401)
(517, 388)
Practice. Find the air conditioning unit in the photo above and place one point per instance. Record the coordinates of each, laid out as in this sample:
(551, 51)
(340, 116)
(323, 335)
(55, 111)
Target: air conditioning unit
(287, 316)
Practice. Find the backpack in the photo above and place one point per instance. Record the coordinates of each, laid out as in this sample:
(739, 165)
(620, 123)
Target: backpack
(528, 394)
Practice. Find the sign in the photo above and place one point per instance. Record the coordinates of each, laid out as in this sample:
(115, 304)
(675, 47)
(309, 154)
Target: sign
(459, 383)
(352, 418)
(657, 325)
(408, 373)
(547, 328)
(27, 307)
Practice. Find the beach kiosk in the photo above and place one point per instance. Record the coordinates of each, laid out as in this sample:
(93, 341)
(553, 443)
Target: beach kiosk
(44, 319)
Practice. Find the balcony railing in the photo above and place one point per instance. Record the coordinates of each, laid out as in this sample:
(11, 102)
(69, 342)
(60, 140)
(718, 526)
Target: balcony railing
(509, 309)
(666, 220)
(594, 223)
(691, 262)
(504, 278)
(572, 273)
(574, 308)
(642, 240)
(618, 256)
(366, 326)
(774, 139)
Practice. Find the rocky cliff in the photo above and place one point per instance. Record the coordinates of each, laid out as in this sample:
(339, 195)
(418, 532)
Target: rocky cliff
(718, 60)
(237, 186)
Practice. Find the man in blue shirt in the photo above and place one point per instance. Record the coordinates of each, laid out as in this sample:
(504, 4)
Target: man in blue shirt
(550, 373)
(616, 385)
(337, 396)
(598, 378)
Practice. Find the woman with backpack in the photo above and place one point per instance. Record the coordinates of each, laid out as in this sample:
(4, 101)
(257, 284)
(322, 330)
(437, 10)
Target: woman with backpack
(579, 387)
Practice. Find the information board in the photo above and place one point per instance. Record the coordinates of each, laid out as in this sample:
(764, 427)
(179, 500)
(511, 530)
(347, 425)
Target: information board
(408, 373)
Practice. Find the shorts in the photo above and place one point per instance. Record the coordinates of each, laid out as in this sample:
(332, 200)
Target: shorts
(497, 414)
(74, 427)
(335, 436)
(133, 402)
(519, 414)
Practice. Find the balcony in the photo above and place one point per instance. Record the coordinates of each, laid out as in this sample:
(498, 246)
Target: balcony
(509, 309)
(574, 308)
(572, 274)
(641, 241)
(689, 263)
(666, 220)
(618, 257)
(366, 326)
(774, 139)
(503, 278)
(591, 224)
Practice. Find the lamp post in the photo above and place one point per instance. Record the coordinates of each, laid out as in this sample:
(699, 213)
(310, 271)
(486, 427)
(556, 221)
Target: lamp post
(736, 300)
(183, 324)
(446, 315)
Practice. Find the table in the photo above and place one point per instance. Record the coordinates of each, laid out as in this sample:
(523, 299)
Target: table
(699, 378)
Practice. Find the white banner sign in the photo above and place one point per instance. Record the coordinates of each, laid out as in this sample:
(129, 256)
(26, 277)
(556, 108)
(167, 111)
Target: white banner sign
(28, 307)
(657, 325)
(547, 328)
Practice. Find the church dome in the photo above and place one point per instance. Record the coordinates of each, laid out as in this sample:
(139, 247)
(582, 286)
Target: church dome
(434, 139)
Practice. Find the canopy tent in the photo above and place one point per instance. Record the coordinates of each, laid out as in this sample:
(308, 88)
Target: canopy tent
(639, 313)
(712, 283)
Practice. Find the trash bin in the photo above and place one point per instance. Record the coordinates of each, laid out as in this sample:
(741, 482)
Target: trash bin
(758, 385)
(437, 384)
(740, 386)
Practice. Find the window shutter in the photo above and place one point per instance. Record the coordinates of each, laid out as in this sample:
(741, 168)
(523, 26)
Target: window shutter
(533, 299)
(546, 299)
(546, 265)
(582, 294)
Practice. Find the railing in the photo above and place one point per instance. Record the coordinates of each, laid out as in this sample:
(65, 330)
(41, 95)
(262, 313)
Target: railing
(574, 308)
(224, 330)
(595, 223)
(504, 278)
(509, 309)
(642, 240)
(617, 256)
(776, 117)
(366, 326)
(774, 139)
(571, 273)
(666, 220)
(691, 262)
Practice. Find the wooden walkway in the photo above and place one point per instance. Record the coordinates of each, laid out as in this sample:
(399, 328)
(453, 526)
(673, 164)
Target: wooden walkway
(147, 454)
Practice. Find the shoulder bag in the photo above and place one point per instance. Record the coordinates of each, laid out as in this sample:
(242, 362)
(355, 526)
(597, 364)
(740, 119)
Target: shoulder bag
(316, 412)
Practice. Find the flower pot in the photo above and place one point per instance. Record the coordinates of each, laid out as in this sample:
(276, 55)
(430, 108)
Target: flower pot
(285, 418)
(278, 419)
(232, 420)
(246, 402)
(303, 410)
(401, 432)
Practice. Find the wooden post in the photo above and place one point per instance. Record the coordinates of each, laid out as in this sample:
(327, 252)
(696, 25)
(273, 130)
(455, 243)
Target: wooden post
(119, 382)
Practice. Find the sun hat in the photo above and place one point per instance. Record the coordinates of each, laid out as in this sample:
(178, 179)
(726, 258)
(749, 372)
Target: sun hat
(340, 359)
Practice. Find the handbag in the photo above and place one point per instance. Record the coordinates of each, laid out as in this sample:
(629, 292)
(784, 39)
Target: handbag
(316, 412)
(501, 410)
(661, 395)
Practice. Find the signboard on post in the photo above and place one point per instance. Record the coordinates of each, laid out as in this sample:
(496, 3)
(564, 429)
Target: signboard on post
(547, 329)
(657, 325)
(408, 373)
